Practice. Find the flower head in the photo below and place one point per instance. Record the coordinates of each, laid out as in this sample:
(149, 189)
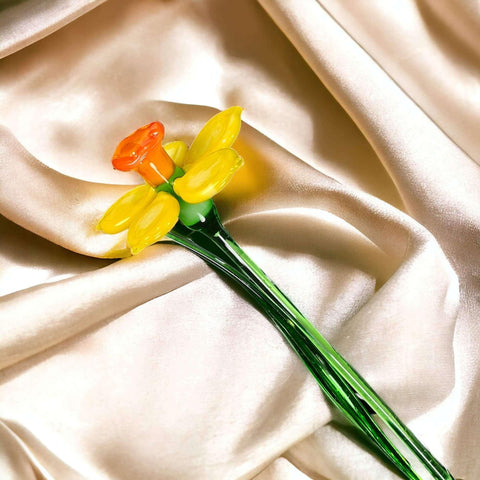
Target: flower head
(180, 181)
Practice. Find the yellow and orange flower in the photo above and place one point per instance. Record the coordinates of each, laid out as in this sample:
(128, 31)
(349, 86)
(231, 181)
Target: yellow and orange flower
(180, 181)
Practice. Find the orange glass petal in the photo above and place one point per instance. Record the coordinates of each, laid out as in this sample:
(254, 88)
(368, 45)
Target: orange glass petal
(142, 151)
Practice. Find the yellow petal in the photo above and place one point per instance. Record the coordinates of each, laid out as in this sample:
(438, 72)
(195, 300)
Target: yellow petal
(121, 214)
(176, 151)
(219, 132)
(154, 223)
(208, 176)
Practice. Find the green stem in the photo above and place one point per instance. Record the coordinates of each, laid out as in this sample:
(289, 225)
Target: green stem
(337, 378)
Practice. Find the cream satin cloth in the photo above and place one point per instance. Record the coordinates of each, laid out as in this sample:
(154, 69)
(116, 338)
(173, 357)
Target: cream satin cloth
(360, 197)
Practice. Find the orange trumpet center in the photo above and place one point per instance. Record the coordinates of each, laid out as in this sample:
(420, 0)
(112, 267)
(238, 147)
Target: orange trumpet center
(142, 151)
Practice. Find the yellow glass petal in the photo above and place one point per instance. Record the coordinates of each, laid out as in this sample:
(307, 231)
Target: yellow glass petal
(208, 176)
(176, 151)
(219, 132)
(121, 214)
(154, 223)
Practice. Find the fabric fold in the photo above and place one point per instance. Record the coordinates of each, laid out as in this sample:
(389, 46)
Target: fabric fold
(25, 22)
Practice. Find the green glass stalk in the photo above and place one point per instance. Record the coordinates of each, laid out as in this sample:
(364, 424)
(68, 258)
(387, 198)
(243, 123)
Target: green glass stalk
(339, 381)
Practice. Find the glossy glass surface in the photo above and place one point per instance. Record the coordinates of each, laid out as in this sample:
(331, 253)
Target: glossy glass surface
(339, 381)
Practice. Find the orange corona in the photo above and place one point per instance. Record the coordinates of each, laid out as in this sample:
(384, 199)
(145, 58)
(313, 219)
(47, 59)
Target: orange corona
(142, 151)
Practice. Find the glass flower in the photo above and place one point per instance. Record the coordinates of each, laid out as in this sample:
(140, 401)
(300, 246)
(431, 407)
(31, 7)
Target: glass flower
(180, 181)
(177, 201)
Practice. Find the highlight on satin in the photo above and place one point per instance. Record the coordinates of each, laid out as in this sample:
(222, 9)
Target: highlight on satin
(180, 181)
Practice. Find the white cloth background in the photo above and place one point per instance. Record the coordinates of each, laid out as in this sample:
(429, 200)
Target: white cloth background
(360, 197)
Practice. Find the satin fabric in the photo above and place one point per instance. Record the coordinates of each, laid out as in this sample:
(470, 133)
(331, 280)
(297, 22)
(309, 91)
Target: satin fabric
(359, 197)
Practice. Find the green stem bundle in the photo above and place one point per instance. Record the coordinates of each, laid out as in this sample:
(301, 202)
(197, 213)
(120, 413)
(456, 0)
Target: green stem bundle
(339, 381)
